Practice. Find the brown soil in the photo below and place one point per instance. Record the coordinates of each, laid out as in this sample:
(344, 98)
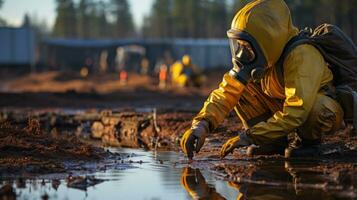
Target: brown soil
(66, 90)
(142, 129)
(30, 149)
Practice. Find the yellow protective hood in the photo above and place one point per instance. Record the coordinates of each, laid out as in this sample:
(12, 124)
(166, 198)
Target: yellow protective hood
(269, 22)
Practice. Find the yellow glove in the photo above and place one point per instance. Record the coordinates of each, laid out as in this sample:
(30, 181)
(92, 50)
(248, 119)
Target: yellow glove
(239, 141)
(194, 138)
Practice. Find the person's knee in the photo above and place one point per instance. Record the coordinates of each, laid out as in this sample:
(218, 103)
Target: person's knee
(325, 117)
(330, 115)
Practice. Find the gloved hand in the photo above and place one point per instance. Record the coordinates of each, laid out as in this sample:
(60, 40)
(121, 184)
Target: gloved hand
(241, 140)
(194, 138)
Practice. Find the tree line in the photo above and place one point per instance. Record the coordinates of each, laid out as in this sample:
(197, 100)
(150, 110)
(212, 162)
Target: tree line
(93, 19)
(167, 19)
(2, 21)
(186, 18)
(310, 13)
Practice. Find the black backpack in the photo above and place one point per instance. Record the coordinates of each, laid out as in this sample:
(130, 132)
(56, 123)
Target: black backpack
(340, 53)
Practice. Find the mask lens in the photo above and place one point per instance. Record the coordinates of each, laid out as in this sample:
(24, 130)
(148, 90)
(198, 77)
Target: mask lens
(242, 51)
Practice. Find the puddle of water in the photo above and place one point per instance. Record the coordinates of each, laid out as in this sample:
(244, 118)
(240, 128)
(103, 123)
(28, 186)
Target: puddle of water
(155, 178)
(158, 178)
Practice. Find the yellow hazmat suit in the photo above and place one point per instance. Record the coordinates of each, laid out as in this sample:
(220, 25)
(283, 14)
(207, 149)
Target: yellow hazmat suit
(177, 76)
(185, 73)
(298, 104)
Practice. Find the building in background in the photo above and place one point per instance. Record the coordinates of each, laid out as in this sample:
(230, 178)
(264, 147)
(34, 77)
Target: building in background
(67, 54)
(17, 48)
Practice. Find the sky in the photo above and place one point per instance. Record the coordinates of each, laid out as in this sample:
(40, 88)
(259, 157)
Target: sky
(13, 11)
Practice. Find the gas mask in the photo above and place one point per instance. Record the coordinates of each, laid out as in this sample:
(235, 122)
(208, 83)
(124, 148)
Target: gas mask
(249, 62)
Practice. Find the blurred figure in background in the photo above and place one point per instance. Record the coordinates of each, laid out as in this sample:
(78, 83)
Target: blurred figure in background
(119, 59)
(144, 66)
(184, 73)
(88, 65)
(103, 61)
(84, 72)
(162, 76)
(123, 77)
(120, 65)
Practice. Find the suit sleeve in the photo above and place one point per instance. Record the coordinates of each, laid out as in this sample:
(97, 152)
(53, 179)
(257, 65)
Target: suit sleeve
(220, 102)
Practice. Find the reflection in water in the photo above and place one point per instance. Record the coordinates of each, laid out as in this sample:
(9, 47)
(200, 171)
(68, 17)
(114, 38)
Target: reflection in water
(277, 181)
(262, 192)
(196, 186)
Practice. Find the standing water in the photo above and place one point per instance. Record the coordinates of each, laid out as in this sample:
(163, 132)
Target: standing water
(159, 176)
(152, 177)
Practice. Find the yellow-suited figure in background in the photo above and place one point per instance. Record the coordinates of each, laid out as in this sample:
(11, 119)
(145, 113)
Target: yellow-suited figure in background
(184, 73)
(269, 109)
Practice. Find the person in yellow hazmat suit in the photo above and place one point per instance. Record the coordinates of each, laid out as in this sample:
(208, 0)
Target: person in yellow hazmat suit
(270, 110)
(184, 73)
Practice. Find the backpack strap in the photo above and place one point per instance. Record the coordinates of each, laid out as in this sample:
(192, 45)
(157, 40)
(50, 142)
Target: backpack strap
(347, 98)
(301, 38)
(354, 121)
(354, 108)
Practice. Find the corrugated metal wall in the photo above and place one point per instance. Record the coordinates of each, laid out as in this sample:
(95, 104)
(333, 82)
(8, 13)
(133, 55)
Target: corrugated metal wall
(205, 53)
(17, 46)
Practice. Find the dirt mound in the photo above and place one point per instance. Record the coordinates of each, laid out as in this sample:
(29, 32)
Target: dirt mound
(146, 130)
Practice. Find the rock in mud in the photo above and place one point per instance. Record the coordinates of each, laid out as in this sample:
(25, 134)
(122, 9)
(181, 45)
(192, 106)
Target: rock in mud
(97, 130)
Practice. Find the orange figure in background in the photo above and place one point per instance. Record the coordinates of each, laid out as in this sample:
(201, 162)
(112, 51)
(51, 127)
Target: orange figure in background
(123, 77)
(163, 76)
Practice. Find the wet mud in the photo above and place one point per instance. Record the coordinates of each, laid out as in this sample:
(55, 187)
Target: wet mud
(37, 142)
(29, 150)
(307, 178)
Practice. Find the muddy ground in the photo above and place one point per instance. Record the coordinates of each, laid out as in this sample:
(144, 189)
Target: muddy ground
(27, 150)
(69, 90)
(73, 138)
(63, 130)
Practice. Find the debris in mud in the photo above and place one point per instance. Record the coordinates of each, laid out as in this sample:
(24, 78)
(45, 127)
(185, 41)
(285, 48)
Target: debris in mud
(145, 130)
(45, 197)
(7, 192)
(30, 149)
(236, 171)
(82, 183)
(29, 164)
(55, 183)
(149, 130)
